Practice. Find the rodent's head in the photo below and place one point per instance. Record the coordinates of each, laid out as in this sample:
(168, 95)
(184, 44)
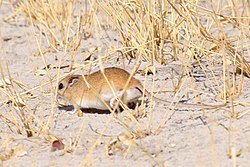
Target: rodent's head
(66, 86)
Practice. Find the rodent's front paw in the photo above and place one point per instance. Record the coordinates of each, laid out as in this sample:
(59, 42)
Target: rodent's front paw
(79, 113)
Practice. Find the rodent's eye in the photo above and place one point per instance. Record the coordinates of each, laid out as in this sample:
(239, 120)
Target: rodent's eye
(60, 86)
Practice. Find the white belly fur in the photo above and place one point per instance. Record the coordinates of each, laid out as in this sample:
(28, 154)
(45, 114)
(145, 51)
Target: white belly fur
(97, 104)
(131, 95)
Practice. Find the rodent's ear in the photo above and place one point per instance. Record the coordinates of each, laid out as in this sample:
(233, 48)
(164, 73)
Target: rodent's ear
(73, 80)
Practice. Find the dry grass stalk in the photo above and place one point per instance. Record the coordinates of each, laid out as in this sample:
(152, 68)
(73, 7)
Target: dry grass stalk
(23, 119)
(57, 21)
(156, 31)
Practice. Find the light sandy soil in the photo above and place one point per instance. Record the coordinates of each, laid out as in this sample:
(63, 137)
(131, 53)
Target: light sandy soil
(189, 136)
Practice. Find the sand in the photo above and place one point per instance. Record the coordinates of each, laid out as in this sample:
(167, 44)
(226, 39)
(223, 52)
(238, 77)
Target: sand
(186, 136)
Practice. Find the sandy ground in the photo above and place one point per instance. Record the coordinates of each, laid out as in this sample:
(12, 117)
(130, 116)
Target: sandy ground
(188, 137)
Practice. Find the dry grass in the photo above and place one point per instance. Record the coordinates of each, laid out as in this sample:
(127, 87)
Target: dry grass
(195, 33)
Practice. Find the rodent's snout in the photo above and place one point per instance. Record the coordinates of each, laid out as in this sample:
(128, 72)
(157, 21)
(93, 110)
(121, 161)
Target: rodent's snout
(56, 98)
(59, 98)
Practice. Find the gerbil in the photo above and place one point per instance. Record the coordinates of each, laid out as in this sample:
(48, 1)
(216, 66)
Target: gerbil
(93, 91)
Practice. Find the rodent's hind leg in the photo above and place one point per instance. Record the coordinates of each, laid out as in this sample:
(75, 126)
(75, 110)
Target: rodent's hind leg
(133, 95)
(130, 96)
(119, 95)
